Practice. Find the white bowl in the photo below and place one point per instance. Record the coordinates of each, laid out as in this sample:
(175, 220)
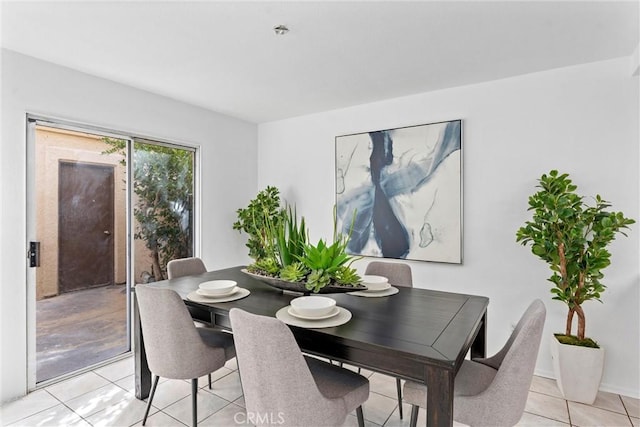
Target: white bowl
(313, 306)
(217, 287)
(375, 283)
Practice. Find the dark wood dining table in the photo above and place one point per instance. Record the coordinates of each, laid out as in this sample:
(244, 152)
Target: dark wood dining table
(417, 334)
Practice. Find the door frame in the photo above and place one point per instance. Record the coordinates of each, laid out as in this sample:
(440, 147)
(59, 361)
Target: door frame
(33, 119)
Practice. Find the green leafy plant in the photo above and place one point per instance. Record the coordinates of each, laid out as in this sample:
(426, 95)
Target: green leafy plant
(572, 237)
(163, 185)
(290, 237)
(262, 215)
(274, 232)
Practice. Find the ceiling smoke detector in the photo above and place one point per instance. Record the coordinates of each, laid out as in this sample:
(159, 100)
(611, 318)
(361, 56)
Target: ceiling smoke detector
(281, 30)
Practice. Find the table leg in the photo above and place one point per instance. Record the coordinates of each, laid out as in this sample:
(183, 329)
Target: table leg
(479, 345)
(142, 372)
(440, 383)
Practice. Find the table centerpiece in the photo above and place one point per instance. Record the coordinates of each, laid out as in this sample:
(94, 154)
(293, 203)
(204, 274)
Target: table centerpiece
(284, 258)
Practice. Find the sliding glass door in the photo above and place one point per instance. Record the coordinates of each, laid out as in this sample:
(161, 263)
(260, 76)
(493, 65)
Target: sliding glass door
(106, 211)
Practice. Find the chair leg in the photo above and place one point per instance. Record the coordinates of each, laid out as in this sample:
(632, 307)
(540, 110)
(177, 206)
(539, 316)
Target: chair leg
(194, 401)
(399, 390)
(360, 416)
(153, 390)
(414, 416)
(209, 381)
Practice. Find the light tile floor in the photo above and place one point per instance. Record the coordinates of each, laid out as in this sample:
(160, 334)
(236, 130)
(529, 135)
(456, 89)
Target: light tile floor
(105, 397)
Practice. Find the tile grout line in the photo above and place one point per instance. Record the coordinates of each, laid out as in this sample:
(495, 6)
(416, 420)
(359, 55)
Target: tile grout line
(391, 414)
(545, 417)
(224, 407)
(611, 411)
(547, 394)
(130, 393)
(38, 412)
(566, 404)
(164, 413)
(626, 410)
(69, 408)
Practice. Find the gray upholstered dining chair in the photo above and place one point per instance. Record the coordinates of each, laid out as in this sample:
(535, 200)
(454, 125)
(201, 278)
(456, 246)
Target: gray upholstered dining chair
(493, 391)
(175, 347)
(282, 386)
(399, 274)
(188, 267)
(185, 267)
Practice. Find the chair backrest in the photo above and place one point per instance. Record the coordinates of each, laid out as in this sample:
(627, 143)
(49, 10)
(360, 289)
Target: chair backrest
(172, 343)
(399, 274)
(503, 402)
(277, 383)
(185, 267)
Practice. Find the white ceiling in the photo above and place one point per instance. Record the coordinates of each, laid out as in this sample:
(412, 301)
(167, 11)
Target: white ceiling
(224, 56)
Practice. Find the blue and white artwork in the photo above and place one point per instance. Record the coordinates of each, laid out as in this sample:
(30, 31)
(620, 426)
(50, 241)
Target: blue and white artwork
(399, 192)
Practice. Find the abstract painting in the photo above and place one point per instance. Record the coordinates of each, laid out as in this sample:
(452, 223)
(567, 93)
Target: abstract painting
(399, 192)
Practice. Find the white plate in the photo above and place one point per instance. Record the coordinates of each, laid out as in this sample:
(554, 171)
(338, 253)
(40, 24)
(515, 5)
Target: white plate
(207, 295)
(242, 293)
(382, 289)
(386, 293)
(334, 312)
(341, 318)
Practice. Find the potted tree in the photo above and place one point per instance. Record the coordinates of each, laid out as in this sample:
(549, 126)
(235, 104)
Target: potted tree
(572, 237)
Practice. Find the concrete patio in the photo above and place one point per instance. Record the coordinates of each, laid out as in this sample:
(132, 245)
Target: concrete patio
(79, 329)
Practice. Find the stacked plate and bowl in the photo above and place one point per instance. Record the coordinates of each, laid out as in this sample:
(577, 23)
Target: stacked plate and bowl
(313, 308)
(217, 288)
(375, 283)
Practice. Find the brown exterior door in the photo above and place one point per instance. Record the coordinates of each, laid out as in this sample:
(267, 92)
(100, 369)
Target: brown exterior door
(85, 226)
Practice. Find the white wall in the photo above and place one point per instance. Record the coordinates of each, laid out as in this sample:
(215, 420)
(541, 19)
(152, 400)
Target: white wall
(229, 165)
(582, 120)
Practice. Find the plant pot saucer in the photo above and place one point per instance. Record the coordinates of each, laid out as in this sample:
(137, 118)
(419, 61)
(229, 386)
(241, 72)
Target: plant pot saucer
(285, 285)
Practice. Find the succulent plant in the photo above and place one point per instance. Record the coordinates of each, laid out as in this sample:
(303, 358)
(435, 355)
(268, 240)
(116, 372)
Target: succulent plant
(347, 276)
(317, 280)
(268, 266)
(294, 272)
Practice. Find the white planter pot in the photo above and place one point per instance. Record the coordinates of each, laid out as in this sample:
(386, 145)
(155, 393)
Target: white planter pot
(578, 370)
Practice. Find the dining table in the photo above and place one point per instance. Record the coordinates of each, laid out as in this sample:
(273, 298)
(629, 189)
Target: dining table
(417, 334)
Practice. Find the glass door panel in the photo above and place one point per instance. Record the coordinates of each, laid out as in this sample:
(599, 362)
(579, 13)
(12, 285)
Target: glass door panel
(81, 226)
(163, 188)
